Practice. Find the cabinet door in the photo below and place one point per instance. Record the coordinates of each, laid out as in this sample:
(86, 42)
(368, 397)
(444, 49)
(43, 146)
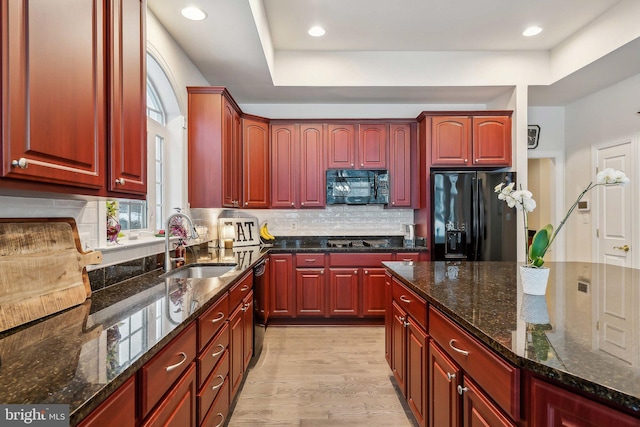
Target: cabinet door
(236, 347)
(341, 146)
(388, 316)
(443, 397)
(53, 92)
(553, 406)
(492, 141)
(343, 291)
(127, 95)
(310, 292)
(373, 292)
(119, 410)
(283, 164)
(417, 371)
(256, 182)
(313, 192)
(450, 141)
(247, 334)
(178, 408)
(479, 411)
(399, 347)
(372, 146)
(281, 302)
(231, 155)
(400, 165)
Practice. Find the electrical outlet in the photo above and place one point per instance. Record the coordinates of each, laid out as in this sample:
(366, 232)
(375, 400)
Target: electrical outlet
(294, 225)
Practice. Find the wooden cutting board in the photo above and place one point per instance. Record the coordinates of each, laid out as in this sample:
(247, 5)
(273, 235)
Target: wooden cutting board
(42, 269)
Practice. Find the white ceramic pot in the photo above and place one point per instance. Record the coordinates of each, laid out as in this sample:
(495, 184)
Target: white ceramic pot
(534, 280)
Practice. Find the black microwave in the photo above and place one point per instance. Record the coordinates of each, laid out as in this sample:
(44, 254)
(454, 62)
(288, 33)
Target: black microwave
(357, 187)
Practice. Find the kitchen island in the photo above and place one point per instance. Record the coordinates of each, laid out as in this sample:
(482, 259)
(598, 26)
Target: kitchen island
(582, 337)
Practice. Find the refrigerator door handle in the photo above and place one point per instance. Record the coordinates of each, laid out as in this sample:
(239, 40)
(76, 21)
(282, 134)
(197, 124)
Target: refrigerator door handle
(480, 219)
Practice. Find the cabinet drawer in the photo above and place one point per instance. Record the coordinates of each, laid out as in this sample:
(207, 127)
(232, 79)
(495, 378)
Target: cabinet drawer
(500, 380)
(212, 354)
(415, 306)
(217, 415)
(158, 374)
(119, 410)
(210, 322)
(240, 290)
(310, 260)
(178, 407)
(359, 259)
(213, 386)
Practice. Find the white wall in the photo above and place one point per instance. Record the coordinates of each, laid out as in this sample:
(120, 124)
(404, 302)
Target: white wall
(605, 116)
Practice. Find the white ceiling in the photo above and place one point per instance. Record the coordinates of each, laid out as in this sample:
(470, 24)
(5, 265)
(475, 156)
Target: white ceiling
(408, 51)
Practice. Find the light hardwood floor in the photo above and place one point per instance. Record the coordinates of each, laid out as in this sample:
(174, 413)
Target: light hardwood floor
(321, 376)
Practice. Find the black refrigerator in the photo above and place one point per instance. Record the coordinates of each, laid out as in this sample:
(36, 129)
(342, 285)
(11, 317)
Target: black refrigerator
(469, 222)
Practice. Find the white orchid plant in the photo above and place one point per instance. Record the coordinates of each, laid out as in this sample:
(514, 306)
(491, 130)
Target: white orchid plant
(523, 201)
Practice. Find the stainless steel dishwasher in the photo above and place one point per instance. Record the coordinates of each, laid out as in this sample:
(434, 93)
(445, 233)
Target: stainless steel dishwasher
(259, 312)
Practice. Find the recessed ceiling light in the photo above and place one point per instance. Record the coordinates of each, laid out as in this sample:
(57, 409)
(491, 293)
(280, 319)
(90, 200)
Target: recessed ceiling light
(532, 31)
(193, 13)
(316, 31)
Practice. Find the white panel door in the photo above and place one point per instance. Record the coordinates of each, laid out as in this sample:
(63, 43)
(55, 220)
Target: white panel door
(614, 204)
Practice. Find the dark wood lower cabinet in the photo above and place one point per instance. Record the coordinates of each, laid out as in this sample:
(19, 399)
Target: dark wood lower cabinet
(553, 406)
(219, 411)
(478, 410)
(399, 348)
(281, 301)
(443, 407)
(343, 292)
(236, 342)
(178, 407)
(416, 370)
(119, 410)
(373, 292)
(310, 292)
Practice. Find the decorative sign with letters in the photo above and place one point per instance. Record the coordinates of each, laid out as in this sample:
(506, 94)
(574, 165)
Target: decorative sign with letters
(245, 231)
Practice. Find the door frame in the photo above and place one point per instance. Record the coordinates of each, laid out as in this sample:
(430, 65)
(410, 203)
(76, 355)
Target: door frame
(557, 157)
(633, 141)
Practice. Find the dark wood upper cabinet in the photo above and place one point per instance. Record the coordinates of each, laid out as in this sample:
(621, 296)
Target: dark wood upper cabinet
(283, 163)
(73, 96)
(341, 146)
(53, 94)
(372, 146)
(128, 91)
(256, 182)
(475, 140)
(312, 170)
(400, 166)
(231, 155)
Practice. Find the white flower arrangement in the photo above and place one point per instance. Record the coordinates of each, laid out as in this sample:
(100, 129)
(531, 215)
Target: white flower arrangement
(523, 201)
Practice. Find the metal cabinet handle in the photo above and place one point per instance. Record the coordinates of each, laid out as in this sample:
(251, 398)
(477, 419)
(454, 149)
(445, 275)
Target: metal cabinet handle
(293, 204)
(184, 359)
(404, 299)
(309, 260)
(466, 160)
(361, 165)
(244, 288)
(450, 376)
(246, 203)
(366, 272)
(321, 271)
(219, 414)
(406, 324)
(355, 271)
(302, 204)
(462, 390)
(400, 319)
(352, 165)
(21, 163)
(625, 248)
(218, 353)
(215, 387)
(120, 181)
(463, 352)
(219, 318)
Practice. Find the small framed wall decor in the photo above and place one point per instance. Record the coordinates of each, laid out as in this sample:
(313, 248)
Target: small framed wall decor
(533, 136)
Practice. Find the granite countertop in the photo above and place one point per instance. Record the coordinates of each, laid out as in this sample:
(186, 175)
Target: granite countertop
(321, 244)
(585, 332)
(81, 355)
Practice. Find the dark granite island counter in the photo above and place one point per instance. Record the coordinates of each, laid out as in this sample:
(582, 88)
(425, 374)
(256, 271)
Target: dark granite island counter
(584, 334)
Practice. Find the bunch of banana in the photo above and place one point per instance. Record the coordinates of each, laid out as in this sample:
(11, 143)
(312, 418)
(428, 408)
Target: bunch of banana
(264, 232)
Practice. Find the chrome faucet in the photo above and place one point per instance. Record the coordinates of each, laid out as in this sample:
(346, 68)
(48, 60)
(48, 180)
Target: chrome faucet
(168, 261)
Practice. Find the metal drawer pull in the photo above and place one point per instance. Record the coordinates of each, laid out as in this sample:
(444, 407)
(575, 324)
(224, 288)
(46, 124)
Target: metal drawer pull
(218, 353)
(450, 376)
(244, 288)
(404, 299)
(219, 414)
(21, 163)
(462, 390)
(184, 359)
(309, 260)
(219, 318)
(215, 387)
(463, 352)
(406, 324)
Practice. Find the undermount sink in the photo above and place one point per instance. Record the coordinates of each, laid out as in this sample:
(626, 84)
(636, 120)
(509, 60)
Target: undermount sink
(199, 271)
